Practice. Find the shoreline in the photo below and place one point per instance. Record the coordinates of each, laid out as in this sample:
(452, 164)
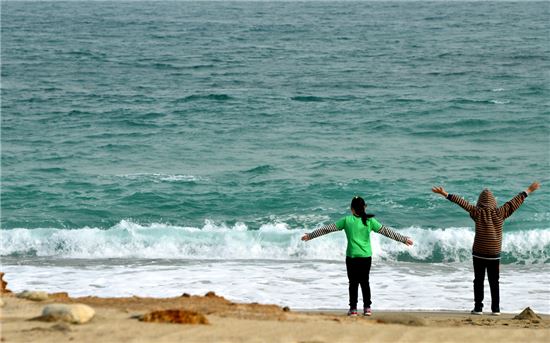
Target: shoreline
(419, 312)
(286, 284)
(116, 320)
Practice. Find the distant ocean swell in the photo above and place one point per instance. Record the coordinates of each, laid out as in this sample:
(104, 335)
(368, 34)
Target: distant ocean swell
(273, 241)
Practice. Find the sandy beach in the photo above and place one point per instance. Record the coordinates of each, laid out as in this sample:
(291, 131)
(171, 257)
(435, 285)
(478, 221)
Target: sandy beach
(201, 171)
(117, 320)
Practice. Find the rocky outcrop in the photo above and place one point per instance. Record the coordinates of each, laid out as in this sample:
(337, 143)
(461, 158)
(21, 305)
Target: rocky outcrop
(3, 284)
(174, 316)
(59, 296)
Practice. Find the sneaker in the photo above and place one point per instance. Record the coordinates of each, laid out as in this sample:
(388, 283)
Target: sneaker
(367, 312)
(352, 312)
(495, 313)
(477, 312)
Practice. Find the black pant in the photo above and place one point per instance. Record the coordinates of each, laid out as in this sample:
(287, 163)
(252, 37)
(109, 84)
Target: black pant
(492, 267)
(358, 274)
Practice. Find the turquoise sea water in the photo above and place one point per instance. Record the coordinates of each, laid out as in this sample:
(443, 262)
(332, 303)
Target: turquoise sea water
(224, 130)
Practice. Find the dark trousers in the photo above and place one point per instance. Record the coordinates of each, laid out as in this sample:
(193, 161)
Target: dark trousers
(358, 274)
(492, 267)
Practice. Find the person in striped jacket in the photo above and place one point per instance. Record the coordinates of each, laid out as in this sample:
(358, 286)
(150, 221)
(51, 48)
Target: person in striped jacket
(358, 227)
(489, 219)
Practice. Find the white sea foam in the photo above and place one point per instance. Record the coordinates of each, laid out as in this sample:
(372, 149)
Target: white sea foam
(298, 284)
(271, 241)
(158, 177)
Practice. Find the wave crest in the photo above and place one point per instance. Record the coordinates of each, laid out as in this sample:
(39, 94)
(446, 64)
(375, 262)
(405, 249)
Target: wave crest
(270, 241)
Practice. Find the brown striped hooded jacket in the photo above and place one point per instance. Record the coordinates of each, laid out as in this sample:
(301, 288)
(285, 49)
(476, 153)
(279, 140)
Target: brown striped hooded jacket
(489, 219)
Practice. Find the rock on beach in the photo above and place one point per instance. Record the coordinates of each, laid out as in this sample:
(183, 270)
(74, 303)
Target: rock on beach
(528, 314)
(33, 295)
(3, 284)
(174, 316)
(74, 313)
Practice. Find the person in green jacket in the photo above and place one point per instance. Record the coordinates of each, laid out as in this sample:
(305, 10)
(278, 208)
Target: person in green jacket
(358, 227)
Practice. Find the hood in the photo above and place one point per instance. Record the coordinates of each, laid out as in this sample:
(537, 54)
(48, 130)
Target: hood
(486, 199)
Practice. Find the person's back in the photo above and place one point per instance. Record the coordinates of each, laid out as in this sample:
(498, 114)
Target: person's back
(489, 220)
(358, 235)
(358, 227)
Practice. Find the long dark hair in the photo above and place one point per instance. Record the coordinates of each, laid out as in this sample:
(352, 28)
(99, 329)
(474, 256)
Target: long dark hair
(358, 205)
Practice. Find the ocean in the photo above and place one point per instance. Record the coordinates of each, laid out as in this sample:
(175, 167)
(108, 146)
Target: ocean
(155, 148)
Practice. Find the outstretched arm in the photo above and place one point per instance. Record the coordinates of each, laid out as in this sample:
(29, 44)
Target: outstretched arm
(320, 232)
(454, 198)
(386, 231)
(511, 206)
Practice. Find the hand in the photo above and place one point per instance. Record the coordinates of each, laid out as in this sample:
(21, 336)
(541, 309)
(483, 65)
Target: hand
(440, 190)
(409, 241)
(533, 187)
(305, 237)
